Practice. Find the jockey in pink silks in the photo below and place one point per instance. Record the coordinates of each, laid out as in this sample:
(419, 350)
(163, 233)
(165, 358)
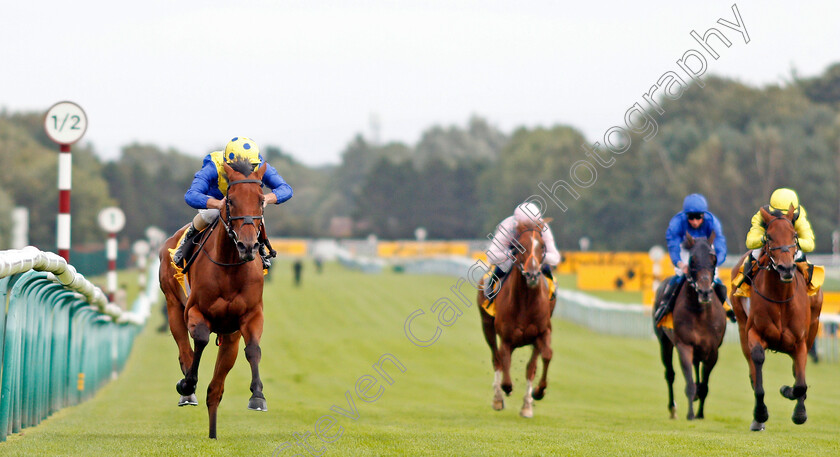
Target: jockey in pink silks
(503, 246)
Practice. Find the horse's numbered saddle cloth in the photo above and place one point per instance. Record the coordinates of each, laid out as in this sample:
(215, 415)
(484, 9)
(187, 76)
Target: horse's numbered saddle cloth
(814, 277)
(489, 306)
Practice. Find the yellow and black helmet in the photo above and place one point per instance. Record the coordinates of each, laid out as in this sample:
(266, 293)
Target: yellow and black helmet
(241, 147)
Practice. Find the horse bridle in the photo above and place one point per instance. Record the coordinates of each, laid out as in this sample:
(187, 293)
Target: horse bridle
(773, 265)
(245, 219)
(691, 280)
(785, 248)
(519, 264)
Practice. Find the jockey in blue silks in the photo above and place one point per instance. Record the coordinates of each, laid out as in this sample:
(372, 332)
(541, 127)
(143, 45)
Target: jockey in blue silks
(209, 189)
(696, 220)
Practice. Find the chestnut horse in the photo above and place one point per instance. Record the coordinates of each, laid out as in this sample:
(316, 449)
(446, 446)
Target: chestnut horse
(226, 287)
(699, 326)
(779, 315)
(523, 317)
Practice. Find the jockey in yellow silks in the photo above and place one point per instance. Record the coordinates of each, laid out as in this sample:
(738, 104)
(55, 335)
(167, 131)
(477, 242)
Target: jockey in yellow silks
(780, 202)
(501, 246)
(210, 186)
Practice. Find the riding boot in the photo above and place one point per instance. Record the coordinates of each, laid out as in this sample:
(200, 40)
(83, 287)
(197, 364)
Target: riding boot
(720, 290)
(185, 248)
(546, 271)
(668, 299)
(265, 256)
(266, 251)
(496, 277)
(743, 282)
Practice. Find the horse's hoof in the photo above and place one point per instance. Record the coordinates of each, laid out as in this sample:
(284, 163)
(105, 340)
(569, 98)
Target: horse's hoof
(760, 414)
(787, 392)
(673, 411)
(538, 394)
(257, 404)
(757, 426)
(799, 415)
(184, 389)
(188, 400)
(527, 413)
(508, 388)
(498, 403)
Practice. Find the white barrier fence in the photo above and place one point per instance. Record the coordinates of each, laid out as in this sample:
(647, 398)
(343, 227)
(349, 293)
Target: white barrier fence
(15, 261)
(636, 321)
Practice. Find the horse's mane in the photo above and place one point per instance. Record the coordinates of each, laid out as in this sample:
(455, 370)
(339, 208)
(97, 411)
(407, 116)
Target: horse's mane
(242, 166)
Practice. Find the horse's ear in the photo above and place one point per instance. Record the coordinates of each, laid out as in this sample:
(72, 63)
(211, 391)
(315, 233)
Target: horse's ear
(689, 240)
(228, 169)
(543, 225)
(261, 170)
(712, 239)
(790, 214)
(765, 214)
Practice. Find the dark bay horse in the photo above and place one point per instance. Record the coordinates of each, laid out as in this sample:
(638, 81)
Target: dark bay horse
(779, 315)
(226, 287)
(699, 326)
(523, 317)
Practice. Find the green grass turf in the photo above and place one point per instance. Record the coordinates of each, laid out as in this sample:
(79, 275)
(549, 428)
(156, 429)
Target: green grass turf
(606, 394)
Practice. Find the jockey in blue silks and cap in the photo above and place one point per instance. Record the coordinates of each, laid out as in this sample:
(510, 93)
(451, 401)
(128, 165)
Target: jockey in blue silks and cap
(209, 189)
(696, 220)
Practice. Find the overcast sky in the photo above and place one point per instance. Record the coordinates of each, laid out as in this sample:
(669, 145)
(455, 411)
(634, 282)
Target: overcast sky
(309, 75)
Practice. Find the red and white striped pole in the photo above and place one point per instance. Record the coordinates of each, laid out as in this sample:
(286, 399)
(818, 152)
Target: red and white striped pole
(65, 167)
(112, 220)
(65, 123)
(111, 254)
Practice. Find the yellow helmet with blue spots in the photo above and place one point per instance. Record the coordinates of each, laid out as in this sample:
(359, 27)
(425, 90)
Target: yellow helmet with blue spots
(781, 199)
(241, 147)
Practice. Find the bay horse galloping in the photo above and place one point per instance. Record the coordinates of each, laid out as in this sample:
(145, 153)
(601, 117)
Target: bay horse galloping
(523, 317)
(226, 288)
(779, 315)
(699, 326)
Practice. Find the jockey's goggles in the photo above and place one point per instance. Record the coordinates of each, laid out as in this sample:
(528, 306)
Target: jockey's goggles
(695, 216)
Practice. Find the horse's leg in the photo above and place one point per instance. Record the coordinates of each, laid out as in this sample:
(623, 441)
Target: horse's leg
(757, 348)
(175, 315)
(815, 302)
(251, 333)
(544, 346)
(703, 386)
(799, 389)
(527, 410)
(228, 345)
(686, 354)
(696, 379)
(200, 332)
(666, 352)
(504, 356)
(489, 329)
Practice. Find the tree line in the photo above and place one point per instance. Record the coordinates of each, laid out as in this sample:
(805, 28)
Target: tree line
(732, 142)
